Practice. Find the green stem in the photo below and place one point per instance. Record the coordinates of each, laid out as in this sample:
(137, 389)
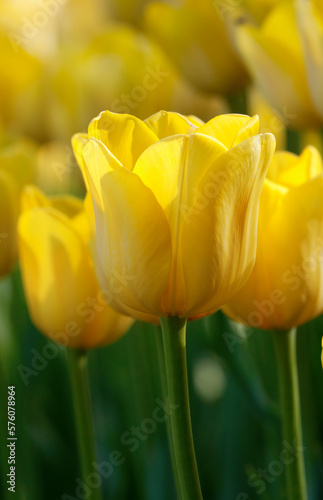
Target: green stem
(162, 371)
(285, 345)
(83, 414)
(174, 335)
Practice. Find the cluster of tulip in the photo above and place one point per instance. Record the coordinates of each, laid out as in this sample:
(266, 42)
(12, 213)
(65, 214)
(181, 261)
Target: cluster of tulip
(172, 215)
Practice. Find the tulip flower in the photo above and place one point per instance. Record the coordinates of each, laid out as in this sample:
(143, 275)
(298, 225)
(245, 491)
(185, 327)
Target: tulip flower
(43, 27)
(273, 55)
(120, 69)
(175, 204)
(183, 196)
(310, 22)
(16, 169)
(196, 38)
(63, 296)
(61, 288)
(285, 287)
(160, 191)
(13, 83)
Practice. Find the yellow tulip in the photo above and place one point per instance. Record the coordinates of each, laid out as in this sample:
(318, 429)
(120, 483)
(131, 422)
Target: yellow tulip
(120, 69)
(61, 288)
(18, 71)
(176, 205)
(285, 288)
(310, 21)
(34, 38)
(42, 27)
(195, 36)
(16, 169)
(273, 54)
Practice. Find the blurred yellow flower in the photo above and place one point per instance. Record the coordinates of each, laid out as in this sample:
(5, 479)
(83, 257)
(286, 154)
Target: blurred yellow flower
(310, 21)
(17, 167)
(61, 288)
(43, 27)
(285, 288)
(196, 37)
(18, 71)
(120, 69)
(273, 54)
(176, 205)
(35, 36)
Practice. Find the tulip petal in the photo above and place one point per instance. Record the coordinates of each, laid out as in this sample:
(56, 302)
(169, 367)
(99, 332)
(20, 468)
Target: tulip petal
(32, 197)
(287, 281)
(82, 225)
(311, 34)
(98, 160)
(172, 169)
(295, 259)
(107, 327)
(57, 270)
(133, 243)
(231, 129)
(78, 143)
(195, 120)
(89, 210)
(261, 284)
(219, 237)
(124, 135)
(291, 170)
(165, 124)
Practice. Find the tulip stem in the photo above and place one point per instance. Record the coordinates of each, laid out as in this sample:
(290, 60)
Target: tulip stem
(285, 346)
(180, 434)
(83, 415)
(162, 371)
